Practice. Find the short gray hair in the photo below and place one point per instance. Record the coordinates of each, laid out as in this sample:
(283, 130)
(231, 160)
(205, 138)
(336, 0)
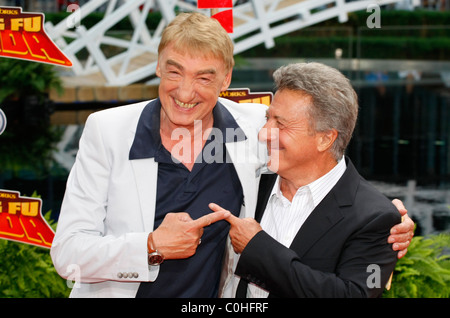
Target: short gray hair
(334, 101)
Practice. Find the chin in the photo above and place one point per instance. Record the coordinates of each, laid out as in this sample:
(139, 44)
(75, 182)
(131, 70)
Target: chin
(273, 165)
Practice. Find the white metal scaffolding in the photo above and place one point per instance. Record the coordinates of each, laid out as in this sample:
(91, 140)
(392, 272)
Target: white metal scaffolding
(255, 22)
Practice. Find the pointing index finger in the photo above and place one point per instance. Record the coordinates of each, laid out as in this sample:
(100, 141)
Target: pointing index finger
(230, 219)
(211, 218)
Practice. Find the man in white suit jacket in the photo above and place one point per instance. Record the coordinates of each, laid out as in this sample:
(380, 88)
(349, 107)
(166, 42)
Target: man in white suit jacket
(102, 240)
(109, 206)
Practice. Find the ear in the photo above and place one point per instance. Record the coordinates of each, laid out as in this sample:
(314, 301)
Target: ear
(158, 70)
(326, 139)
(227, 81)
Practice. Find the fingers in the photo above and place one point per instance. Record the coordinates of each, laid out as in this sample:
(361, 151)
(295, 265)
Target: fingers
(401, 234)
(402, 253)
(178, 235)
(400, 246)
(215, 207)
(203, 221)
(182, 216)
(230, 219)
(233, 220)
(400, 207)
(405, 227)
(211, 218)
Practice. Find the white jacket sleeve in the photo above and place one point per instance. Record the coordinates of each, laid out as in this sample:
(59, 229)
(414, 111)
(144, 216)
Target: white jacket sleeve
(85, 247)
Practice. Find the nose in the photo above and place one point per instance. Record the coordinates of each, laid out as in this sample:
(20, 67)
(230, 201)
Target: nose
(268, 133)
(186, 90)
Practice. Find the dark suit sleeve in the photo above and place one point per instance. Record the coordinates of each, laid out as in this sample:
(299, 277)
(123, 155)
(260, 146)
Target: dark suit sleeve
(362, 269)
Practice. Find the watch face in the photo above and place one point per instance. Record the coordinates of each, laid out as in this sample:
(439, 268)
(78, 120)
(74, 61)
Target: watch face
(155, 259)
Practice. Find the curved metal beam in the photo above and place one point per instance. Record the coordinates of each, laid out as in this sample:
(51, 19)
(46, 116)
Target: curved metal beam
(255, 22)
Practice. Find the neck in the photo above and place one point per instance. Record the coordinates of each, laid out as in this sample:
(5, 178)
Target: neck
(184, 143)
(291, 182)
(196, 128)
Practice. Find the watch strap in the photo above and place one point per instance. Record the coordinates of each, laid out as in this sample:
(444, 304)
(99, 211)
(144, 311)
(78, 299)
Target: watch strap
(154, 257)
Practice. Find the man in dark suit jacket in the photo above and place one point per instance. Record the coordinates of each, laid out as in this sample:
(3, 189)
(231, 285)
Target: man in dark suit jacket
(332, 253)
(339, 246)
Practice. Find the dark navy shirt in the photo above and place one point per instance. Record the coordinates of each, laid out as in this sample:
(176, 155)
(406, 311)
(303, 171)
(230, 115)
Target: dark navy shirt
(212, 179)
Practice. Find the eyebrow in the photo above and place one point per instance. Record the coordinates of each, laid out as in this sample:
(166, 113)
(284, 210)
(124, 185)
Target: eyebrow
(207, 71)
(181, 68)
(277, 117)
(173, 63)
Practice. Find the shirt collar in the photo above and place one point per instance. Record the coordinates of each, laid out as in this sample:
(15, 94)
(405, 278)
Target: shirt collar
(318, 189)
(147, 140)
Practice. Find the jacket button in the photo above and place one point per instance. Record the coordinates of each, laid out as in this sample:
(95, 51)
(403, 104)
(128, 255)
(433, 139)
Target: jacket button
(119, 274)
(135, 275)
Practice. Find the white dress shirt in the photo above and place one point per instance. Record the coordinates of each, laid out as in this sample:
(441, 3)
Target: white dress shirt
(282, 218)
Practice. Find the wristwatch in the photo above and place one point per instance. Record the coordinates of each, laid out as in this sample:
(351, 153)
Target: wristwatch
(154, 257)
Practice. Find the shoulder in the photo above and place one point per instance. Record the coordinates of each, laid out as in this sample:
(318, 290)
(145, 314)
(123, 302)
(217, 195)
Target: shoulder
(120, 113)
(360, 199)
(243, 108)
(375, 206)
(110, 126)
(250, 113)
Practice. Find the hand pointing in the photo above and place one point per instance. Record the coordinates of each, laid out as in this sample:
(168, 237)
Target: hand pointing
(179, 235)
(241, 231)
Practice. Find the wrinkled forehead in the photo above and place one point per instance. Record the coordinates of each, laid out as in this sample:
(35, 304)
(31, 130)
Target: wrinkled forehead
(195, 51)
(197, 48)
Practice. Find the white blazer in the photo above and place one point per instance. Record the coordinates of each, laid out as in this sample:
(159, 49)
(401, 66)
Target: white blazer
(108, 209)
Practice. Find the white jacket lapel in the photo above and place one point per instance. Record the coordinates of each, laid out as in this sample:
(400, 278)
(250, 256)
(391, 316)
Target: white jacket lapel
(247, 168)
(146, 176)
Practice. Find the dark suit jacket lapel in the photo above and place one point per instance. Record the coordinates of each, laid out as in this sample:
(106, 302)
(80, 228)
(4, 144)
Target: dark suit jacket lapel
(266, 184)
(328, 212)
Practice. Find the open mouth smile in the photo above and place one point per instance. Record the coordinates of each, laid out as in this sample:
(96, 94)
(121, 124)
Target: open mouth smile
(185, 105)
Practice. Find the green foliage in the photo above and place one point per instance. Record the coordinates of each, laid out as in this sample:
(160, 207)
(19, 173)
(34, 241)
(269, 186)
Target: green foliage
(25, 77)
(419, 35)
(28, 139)
(27, 271)
(425, 270)
(24, 151)
(395, 17)
(373, 47)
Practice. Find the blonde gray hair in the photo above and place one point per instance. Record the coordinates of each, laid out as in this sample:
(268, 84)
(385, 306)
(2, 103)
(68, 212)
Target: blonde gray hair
(198, 34)
(334, 101)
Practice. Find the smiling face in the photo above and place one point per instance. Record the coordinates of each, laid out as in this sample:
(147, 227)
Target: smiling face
(190, 86)
(294, 147)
